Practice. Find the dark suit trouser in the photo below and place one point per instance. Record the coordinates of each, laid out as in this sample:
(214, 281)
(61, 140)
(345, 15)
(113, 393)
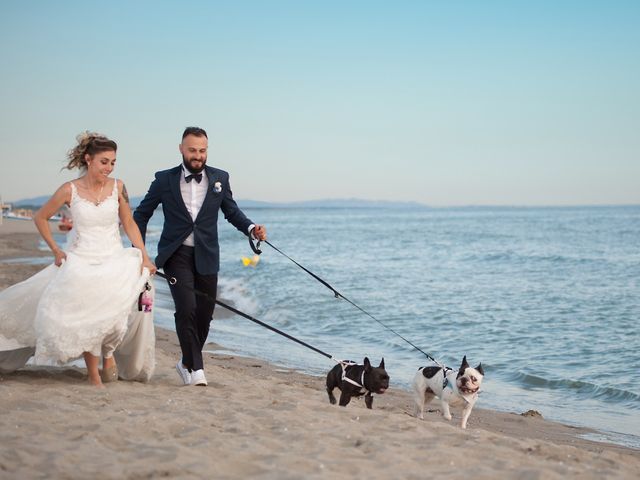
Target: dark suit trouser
(193, 312)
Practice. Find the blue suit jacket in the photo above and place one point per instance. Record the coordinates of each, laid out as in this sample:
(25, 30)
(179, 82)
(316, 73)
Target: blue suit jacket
(165, 190)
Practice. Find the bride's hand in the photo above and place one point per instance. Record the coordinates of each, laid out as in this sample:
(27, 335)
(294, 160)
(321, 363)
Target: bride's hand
(149, 264)
(60, 256)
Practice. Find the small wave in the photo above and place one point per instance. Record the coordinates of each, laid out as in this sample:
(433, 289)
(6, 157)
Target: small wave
(554, 259)
(28, 260)
(234, 292)
(522, 258)
(591, 390)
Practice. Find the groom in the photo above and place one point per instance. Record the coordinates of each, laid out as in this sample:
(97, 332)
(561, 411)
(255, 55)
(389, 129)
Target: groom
(191, 195)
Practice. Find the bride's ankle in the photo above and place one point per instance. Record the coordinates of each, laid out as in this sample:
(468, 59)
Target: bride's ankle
(108, 363)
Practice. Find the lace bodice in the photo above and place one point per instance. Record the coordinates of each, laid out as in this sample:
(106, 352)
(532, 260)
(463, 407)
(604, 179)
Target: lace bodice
(96, 230)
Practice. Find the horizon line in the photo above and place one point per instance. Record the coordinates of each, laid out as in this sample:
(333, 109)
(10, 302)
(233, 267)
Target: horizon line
(415, 203)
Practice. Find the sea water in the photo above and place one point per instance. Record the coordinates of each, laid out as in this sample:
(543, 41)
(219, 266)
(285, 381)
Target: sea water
(548, 299)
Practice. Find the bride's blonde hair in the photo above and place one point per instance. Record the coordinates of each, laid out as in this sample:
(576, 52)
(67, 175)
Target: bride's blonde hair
(88, 143)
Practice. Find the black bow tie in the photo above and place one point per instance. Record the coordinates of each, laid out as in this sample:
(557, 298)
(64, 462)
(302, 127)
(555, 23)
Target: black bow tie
(196, 176)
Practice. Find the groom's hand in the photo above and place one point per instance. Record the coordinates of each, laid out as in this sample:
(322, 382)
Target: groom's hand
(259, 232)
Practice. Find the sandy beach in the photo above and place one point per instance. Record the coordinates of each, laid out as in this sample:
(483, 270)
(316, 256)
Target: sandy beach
(257, 420)
(18, 239)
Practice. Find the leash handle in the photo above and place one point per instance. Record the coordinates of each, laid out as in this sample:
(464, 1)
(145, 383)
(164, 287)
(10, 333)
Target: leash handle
(254, 247)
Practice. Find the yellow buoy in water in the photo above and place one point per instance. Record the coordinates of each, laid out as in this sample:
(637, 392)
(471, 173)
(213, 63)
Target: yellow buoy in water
(246, 261)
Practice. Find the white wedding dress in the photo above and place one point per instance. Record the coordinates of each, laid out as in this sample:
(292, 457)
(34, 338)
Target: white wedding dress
(89, 304)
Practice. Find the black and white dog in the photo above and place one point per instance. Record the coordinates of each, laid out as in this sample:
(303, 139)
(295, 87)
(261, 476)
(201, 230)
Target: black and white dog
(355, 380)
(449, 387)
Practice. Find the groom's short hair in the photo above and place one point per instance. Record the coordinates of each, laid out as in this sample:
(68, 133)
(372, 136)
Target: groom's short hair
(197, 131)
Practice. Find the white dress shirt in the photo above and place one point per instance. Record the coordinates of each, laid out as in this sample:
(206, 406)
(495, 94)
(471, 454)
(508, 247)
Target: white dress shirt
(193, 194)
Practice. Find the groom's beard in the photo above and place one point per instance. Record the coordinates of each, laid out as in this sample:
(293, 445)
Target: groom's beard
(197, 168)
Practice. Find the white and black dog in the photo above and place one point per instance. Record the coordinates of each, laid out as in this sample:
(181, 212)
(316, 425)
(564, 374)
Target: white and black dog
(449, 387)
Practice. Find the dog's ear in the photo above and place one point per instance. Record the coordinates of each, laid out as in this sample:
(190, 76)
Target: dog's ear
(463, 367)
(480, 370)
(381, 363)
(367, 364)
(464, 364)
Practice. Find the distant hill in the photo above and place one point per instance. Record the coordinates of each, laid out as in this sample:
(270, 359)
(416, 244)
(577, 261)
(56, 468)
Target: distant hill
(31, 202)
(331, 203)
(327, 203)
(37, 202)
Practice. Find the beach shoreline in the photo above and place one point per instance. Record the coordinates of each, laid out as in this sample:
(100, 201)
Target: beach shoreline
(258, 420)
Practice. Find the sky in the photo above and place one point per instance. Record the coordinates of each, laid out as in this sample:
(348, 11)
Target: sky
(446, 103)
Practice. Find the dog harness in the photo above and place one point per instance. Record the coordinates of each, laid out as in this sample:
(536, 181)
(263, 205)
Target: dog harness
(353, 382)
(445, 381)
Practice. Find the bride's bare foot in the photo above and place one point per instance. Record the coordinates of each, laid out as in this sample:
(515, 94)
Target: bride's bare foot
(96, 381)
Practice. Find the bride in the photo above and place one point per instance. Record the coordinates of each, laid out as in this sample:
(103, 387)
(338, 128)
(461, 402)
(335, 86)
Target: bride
(85, 304)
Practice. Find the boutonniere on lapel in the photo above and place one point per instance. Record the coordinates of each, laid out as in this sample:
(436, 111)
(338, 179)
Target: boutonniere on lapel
(217, 187)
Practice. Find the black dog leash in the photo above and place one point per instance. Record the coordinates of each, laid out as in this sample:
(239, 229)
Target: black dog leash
(257, 251)
(173, 281)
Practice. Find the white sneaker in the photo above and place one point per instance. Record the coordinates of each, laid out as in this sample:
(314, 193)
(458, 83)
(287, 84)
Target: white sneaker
(198, 378)
(183, 372)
